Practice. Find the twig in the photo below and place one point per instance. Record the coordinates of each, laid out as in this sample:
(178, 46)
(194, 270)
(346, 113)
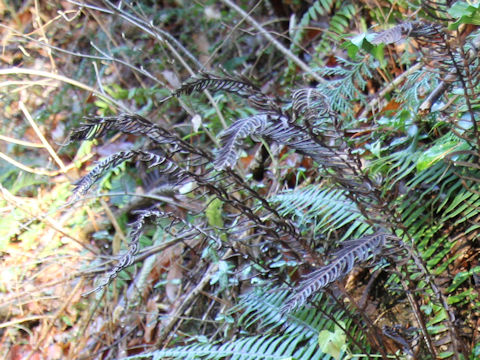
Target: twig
(43, 171)
(274, 41)
(25, 319)
(41, 29)
(42, 138)
(25, 71)
(27, 168)
(60, 311)
(20, 142)
(212, 269)
(387, 89)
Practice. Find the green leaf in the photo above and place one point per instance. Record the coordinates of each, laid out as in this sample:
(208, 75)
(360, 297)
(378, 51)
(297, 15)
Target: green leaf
(362, 41)
(214, 213)
(463, 8)
(445, 354)
(466, 13)
(435, 154)
(332, 343)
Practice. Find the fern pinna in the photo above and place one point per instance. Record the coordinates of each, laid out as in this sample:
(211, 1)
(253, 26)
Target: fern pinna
(369, 209)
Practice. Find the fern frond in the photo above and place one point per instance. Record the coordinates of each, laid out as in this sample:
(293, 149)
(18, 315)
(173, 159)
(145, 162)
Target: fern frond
(237, 85)
(275, 128)
(465, 166)
(128, 257)
(207, 81)
(266, 347)
(239, 130)
(300, 140)
(318, 8)
(326, 210)
(263, 307)
(415, 29)
(310, 103)
(353, 252)
(437, 9)
(347, 84)
(96, 127)
(184, 232)
(82, 186)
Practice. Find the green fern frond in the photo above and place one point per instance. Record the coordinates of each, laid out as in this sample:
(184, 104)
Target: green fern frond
(346, 84)
(318, 8)
(352, 253)
(279, 347)
(328, 210)
(263, 309)
(299, 338)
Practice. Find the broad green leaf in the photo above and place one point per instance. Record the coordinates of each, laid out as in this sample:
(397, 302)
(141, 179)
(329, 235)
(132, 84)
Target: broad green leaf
(332, 343)
(465, 12)
(435, 153)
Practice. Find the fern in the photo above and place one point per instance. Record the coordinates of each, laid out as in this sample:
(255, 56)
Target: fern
(82, 186)
(299, 337)
(337, 26)
(353, 251)
(322, 209)
(236, 85)
(277, 347)
(318, 8)
(310, 104)
(415, 29)
(418, 196)
(345, 88)
(239, 130)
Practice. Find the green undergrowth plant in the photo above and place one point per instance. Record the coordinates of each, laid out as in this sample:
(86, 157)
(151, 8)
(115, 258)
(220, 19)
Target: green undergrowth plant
(386, 220)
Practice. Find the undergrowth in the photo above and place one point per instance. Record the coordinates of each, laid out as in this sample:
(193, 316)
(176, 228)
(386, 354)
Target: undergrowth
(336, 217)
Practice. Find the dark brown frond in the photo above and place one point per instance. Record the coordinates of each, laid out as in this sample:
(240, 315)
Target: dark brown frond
(416, 29)
(437, 9)
(231, 137)
(300, 140)
(96, 127)
(393, 35)
(185, 231)
(310, 103)
(353, 252)
(212, 82)
(128, 257)
(236, 85)
(153, 159)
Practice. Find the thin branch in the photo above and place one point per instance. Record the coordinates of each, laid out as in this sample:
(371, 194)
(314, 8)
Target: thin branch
(274, 41)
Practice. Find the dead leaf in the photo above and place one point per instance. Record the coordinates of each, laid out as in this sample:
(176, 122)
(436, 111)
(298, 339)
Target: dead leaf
(173, 277)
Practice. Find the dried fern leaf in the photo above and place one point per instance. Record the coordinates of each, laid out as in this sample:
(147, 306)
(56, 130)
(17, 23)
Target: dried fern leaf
(353, 252)
(97, 127)
(127, 259)
(393, 35)
(415, 29)
(207, 81)
(437, 9)
(231, 137)
(237, 85)
(82, 186)
(300, 140)
(278, 129)
(310, 103)
(185, 232)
